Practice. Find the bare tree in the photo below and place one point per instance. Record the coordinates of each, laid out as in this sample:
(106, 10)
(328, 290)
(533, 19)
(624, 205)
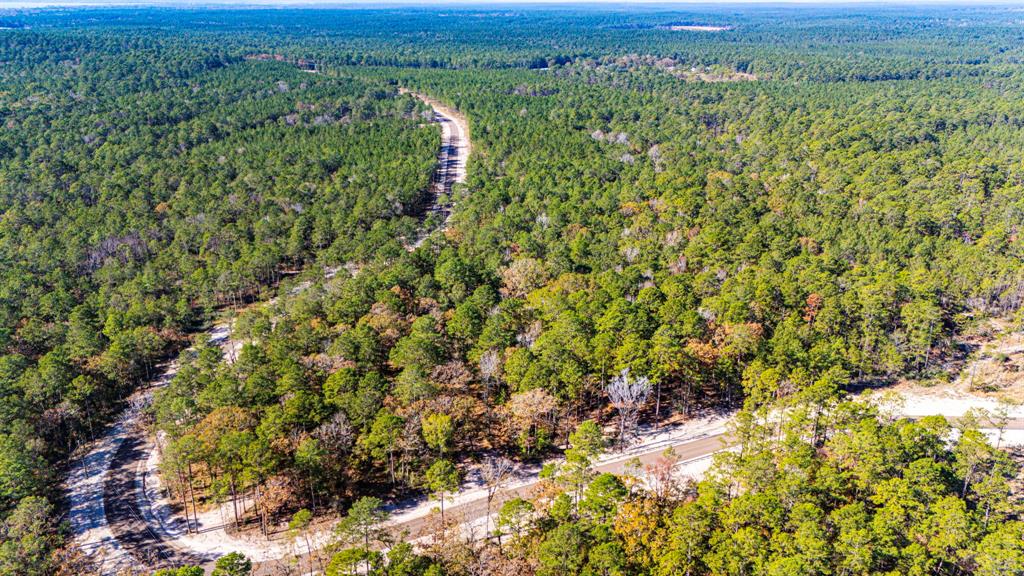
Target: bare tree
(628, 394)
(661, 475)
(530, 334)
(336, 434)
(490, 365)
(527, 413)
(496, 472)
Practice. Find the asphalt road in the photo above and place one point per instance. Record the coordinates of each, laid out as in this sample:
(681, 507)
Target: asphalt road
(476, 509)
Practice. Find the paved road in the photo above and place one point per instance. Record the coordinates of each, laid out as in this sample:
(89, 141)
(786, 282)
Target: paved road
(127, 521)
(138, 540)
(686, 451)
(104, 517)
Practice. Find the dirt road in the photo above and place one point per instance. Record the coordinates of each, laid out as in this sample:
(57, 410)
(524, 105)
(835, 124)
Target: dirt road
(105, 523)
(452, 159)
(115, 518)
(116, 514)
(691, 444)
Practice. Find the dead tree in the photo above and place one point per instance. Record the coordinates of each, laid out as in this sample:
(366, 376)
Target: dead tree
(496, 472)
(628, 394)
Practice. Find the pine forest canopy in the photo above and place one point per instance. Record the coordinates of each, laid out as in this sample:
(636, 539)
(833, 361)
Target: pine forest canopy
(791, 203)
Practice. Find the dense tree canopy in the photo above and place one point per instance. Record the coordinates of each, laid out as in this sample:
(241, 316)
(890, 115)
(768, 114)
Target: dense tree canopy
(655, 221)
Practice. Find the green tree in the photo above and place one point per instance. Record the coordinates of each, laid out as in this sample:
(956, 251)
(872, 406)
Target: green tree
(515, 517)
(1002, 551)
(442, 478)
(349, 560)
(362, 524)
(310, 458)
(181, 571)
(607, 559)
(602, 498)
(586, 444)
(233, 564)
(299, 527)
(563, 551)
(437, 432)
(28, 539)
(382, 440)
(22, 468)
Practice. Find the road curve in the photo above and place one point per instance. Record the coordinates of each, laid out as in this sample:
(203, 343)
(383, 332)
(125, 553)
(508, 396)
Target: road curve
(108, 519)
(687, 450)
(105, 525)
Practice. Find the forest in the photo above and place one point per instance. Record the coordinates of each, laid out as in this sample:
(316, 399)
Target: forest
(657, 224)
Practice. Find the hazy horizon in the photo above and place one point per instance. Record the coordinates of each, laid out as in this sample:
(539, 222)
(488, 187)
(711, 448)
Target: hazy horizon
(20, 4)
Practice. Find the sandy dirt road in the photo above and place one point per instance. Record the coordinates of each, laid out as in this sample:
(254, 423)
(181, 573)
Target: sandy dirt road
(693, 444)
(118, 517)
(106, 526)
(120, 521)
(452, 160)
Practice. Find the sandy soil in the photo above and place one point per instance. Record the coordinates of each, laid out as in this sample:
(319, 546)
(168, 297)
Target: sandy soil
(90, 470)
(213, 537)
(451, 161)
(997, 364)
(459, 127)
(993, 372)
(209, 536)
(699, 28)
(84, 487)
(697, 438)
(709, 77)
(991, 379)
(650, 441)
(416, 516)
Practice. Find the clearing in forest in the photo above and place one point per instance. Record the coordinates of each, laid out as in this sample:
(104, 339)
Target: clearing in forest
(698, 28)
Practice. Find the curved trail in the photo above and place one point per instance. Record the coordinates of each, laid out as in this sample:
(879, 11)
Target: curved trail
(119, 517)
(107, 526)
(156, 541)
(116, 511)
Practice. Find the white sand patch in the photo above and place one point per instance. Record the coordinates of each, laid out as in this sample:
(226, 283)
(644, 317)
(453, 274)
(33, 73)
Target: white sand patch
(698, 28)
(1006, 438)
(946, 401)
(84, 486)
(693, 469)
(209, 535)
